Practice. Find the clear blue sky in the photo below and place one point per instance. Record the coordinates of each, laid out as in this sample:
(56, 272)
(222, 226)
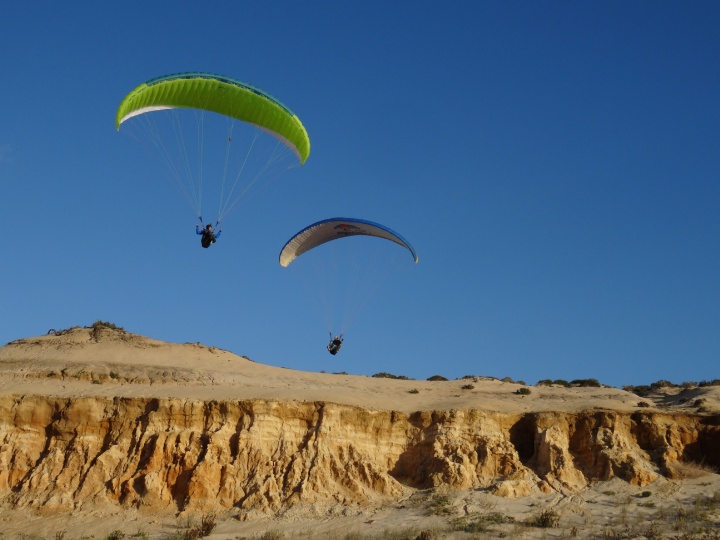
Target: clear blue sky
(555, 164)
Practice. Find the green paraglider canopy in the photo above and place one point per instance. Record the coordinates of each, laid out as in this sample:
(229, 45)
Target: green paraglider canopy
(222, 95)
(217, 138)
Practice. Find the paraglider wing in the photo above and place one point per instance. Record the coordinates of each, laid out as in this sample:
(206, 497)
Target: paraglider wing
(333, 229)
(222, 95)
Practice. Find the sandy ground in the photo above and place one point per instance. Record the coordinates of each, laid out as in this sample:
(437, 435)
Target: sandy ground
(614, 509)
(80, 362)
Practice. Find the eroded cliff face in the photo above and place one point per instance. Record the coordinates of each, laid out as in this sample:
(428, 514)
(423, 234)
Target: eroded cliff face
(264, 456)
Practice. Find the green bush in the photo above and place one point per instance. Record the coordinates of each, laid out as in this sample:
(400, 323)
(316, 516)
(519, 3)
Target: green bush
(97, 325)
(437, 378)
(207, 524)
(642, 390)
(524, 391)
(558, 382)
(662, 383)
(586, 383)
(547, 519)
(440, 506)
(384, 375)
(480, 523)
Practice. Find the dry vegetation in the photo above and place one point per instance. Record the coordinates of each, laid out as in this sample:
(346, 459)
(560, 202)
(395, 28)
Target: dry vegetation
(687, 470)
(665, 512)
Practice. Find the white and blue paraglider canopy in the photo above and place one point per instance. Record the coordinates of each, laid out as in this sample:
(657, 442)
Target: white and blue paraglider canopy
(331, 229)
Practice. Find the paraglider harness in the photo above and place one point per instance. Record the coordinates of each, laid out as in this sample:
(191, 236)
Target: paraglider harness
(335, 344)
(208, 237)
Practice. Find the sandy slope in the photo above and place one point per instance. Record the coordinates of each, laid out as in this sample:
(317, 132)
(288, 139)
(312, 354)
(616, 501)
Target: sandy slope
(124, 364)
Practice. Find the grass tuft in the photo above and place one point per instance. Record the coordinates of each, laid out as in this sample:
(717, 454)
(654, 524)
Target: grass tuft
(685, 470)
(547, 519)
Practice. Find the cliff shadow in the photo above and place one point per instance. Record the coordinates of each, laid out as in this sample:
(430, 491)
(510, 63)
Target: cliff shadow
(705, 450)
(522, 437)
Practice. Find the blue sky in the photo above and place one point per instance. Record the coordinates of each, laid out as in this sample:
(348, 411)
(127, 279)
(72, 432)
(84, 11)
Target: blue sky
(555, 165)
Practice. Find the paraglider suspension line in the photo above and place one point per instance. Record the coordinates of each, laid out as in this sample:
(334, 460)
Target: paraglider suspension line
(217, 223)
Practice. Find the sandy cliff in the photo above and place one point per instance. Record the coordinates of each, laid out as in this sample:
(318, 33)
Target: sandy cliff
(106, 416)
